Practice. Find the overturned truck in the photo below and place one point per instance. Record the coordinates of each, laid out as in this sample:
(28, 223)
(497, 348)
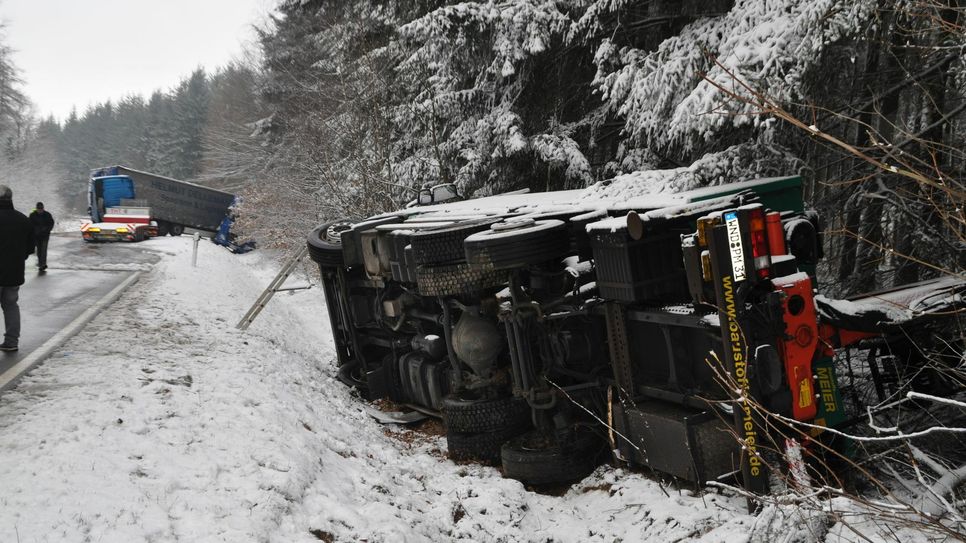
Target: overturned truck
(677, 332)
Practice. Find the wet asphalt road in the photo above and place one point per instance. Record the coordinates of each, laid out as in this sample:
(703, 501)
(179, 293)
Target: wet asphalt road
(78, 275)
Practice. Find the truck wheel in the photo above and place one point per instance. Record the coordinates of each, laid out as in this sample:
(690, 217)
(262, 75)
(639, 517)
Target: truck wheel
(481, 447)
(517, 243)
(164, 227)
(455, 280)
(325, 244)
(537, 459)
(472, 415)
(445, 244)
(176, 230)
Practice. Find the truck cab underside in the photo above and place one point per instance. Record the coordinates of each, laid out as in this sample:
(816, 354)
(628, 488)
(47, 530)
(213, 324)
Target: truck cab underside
(681, 333)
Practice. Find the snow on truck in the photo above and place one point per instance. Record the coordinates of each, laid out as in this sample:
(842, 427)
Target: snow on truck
(680, 333)
(118, 195)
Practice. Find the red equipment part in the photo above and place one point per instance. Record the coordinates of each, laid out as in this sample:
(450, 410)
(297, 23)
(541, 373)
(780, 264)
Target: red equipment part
(835, 338)
(776, 233)
(800, 342)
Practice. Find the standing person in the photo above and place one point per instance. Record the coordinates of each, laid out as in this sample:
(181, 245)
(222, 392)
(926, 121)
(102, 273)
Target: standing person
(43, 223)
(16, 244)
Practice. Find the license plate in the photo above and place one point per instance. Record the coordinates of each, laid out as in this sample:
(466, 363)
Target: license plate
(734, 245)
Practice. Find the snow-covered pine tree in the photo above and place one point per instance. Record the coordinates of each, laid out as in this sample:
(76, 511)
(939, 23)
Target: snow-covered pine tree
(159, 135)
(496, 97)
(14, 105)
(330, 85)
(189, 107)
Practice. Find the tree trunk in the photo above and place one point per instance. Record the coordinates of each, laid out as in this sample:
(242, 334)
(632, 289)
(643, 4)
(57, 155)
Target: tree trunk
(915, 241)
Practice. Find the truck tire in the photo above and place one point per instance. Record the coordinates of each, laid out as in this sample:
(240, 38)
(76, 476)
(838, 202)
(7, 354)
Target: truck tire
(472, 415)
(535, 459)
(456, 280)
(483, 447)
(445, 244)
(325, 244)
(576, 230)
(164, 227)
(176, 229)
(517, 245)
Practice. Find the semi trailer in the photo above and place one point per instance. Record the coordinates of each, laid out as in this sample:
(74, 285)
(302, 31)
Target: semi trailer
(175, 205)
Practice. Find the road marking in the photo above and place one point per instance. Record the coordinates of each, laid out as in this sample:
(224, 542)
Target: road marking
(40, 354)
(105, 268)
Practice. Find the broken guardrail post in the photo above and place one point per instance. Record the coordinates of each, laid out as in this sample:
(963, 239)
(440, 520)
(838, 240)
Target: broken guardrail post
(273, 287)
(194, 250)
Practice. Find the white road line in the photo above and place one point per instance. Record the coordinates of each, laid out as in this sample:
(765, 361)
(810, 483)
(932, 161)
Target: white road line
(105, 268)
(40, 354)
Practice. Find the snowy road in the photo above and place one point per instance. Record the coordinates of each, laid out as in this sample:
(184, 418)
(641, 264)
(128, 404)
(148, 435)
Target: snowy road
(79, 275)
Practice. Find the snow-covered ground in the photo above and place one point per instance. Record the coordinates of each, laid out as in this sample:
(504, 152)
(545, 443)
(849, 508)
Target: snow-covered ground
(162, 422)
(69, 222)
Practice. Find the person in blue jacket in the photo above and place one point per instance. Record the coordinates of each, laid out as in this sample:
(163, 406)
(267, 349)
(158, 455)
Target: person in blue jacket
(16, 244)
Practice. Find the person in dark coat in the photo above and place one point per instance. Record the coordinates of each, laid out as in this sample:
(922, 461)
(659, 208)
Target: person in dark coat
(43, 223)
(16, 244)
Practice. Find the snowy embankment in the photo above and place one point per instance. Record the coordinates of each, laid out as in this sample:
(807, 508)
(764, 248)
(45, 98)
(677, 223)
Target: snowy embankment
(161, 422)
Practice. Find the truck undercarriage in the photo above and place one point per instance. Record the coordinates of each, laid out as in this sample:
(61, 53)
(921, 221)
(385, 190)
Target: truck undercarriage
(677, 333)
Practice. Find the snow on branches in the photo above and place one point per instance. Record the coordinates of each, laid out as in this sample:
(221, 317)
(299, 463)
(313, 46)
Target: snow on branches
(466, 67)
(483, 145)
(672, 97)
(737, 163)
(518, 30)
(535, 93)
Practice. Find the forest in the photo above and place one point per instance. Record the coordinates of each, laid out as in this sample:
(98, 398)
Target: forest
(348, 108)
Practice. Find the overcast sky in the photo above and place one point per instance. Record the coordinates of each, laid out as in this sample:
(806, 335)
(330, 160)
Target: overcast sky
(80, 52)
